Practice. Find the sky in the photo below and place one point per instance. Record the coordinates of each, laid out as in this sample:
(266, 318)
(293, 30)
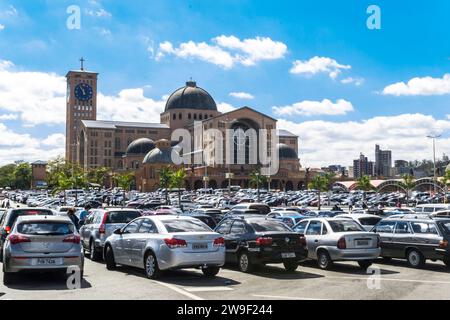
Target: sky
(313, 65)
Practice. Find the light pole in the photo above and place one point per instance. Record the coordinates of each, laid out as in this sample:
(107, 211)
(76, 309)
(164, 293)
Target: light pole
(229, 175)
(434, 137)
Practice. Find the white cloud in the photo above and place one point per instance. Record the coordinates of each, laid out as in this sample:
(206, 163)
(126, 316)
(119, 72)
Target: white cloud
(225, 107)
(2, 27)
(10, 12)
(324, 142)
(100, 13)
(227, 51)
(15, 146)
(318, 65)
(241, 95)
(314, 108)
(10, 116)
(425, 86)
(349, 80)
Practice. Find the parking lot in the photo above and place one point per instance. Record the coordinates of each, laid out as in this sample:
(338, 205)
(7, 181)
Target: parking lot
(345, 281)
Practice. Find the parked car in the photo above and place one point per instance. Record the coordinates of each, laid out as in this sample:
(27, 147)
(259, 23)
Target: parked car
(10, 217)
(100, 224)
(368, 221)
(430, 208)
(333, 239)
(261, 207)
(41, 243)
(255, 241)
(415, 239)
(282, 213)
(157, 243)
(214, 213)
(207, 219)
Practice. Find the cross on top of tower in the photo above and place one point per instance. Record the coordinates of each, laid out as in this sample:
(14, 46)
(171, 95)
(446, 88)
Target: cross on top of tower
(82, 63)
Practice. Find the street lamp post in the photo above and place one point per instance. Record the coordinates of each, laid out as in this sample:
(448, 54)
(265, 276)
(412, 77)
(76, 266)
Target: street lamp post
(229, 175)
(434, 137)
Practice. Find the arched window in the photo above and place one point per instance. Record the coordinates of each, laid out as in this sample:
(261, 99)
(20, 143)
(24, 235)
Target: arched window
(189, 116)
(174, 116)
(200, 116)
(180, 116)
(195, 116)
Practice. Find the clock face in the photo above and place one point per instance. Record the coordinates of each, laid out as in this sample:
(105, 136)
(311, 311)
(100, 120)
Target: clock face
(83, 92)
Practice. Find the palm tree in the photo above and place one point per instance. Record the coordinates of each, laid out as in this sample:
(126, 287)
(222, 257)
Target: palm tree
(177, 181)
(319, 183)
(408, 184)
(63, 182)
(124, 181)
(329, 177)
(364, 184)
(98, 175)
(164, 180)
(257, 180)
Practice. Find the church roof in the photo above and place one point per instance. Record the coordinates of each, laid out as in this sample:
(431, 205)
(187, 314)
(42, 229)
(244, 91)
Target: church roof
(103, 124)
(191, 97)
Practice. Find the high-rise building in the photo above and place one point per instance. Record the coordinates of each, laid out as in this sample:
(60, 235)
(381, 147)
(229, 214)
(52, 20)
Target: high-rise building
(383, 162)
(362, 167)
(81, 105)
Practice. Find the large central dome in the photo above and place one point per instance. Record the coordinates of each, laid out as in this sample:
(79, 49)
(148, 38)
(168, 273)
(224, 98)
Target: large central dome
(191, 97)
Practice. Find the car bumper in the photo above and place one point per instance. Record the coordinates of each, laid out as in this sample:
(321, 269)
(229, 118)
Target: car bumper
(177, 259)
(264, 255)
(28, 262)
(354, 254)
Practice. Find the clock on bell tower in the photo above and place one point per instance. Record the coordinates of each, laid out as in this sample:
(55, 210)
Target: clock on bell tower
(81, 104)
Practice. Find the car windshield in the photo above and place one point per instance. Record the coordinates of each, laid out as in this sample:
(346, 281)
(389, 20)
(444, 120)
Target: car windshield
(46, 228)
(369, 221)
(179, 225)
(268, 225)
(344, 226)
(121, 216)
(446, 226)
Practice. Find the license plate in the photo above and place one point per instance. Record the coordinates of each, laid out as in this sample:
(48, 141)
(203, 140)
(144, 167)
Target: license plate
(199, 246)
(288, 255)
(48, 261)
(362, 242)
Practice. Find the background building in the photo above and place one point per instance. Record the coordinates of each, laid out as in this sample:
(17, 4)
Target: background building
(362, 167)
(383, 162)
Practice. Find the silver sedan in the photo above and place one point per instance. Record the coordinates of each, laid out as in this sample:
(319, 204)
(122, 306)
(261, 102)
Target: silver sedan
(156, 243)
(338, 239)
(42, 243)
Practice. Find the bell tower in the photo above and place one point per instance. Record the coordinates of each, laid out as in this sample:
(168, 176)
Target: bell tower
(81, 104)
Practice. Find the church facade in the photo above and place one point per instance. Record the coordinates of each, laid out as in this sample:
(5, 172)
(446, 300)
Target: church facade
(145, 148)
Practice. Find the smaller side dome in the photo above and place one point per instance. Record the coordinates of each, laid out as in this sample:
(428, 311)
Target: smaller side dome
(286, 153)
(140, 146)
(161, 154)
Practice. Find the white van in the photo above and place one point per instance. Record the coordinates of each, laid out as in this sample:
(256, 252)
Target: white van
(430, 208)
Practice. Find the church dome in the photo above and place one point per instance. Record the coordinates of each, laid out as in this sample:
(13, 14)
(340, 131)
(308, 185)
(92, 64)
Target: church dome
(191, 97)
(161, 154)
(286, 153)
(140, 146)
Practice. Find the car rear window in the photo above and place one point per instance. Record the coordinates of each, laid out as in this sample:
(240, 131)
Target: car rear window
(424, 228)
(179, 225)
(445, 227)
(27, 212)
(121, 216)
(261, 208)
(268, 225)
(46, 228)
(369, 221)
(344, 226)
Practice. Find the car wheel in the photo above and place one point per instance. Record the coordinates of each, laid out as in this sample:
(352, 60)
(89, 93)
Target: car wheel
(415, 258)
(210, 271)
(93, 252)
(109, 257)
(7, 276)
(290, 266)
(447, 262)
(364, 264)
(245, 265)
(151, 266)
(324, 261)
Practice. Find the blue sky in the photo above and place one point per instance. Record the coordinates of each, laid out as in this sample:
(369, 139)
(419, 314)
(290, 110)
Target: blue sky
(345, 95)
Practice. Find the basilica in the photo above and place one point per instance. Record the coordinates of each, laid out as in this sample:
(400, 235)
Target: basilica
(145, 148)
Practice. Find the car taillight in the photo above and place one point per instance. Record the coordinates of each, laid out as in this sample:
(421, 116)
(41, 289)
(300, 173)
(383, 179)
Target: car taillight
(219, 242)
(264, 241)
(8, 229)
(102, 229)
(173, 243)
(302, 241)
(72, 239)
(443, 244)
(17, 238)
(341, 243)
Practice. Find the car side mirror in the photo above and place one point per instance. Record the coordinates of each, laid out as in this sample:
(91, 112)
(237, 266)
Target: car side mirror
(118, 231)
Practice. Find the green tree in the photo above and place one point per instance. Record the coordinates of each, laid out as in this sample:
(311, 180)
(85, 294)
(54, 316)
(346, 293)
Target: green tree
(22, 176)
(446, 182)
(257, 180)
(321, 184)
(7, 176)
(364, 184)
(164, 180)
(177, 181)
(98, 175)
(62, 183)
(408, 184)
(124, 181)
